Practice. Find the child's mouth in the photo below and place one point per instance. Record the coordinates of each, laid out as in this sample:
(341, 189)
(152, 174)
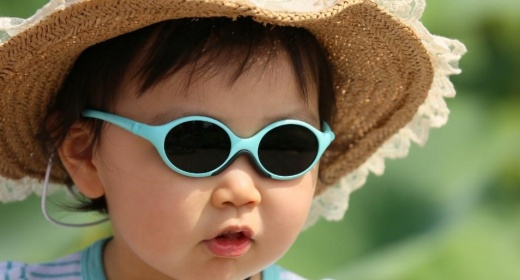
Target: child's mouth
(231, 243)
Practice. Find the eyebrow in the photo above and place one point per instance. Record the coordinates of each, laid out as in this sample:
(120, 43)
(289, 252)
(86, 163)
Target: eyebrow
(176, 113)
(301, 115)
(164, 117)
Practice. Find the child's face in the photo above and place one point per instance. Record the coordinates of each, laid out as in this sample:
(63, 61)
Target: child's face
(166, 224)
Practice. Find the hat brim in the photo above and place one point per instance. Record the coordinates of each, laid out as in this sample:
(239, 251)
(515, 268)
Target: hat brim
(382, 72)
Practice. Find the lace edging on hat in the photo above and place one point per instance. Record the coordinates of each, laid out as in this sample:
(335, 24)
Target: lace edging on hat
(333, 202)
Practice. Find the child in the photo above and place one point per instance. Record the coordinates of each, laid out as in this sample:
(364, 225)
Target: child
(210, 132)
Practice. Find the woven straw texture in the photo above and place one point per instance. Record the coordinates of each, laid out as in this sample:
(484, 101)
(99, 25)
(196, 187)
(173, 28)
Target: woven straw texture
(383, 70)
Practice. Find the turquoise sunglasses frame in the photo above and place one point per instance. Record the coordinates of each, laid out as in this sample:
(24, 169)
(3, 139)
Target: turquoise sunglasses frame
(156, 135)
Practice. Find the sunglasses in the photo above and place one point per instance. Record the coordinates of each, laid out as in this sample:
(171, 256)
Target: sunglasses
(197, 146)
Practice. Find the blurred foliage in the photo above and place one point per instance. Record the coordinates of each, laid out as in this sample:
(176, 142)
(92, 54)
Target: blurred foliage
(451, 210)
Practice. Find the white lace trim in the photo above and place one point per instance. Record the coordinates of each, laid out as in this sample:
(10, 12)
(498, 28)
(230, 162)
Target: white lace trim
(18, 190)
(291, 5)
(332, 203)
(445, 55)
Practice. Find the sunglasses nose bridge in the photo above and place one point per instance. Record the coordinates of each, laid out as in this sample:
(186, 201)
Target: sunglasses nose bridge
(252, 160)
(247, 147)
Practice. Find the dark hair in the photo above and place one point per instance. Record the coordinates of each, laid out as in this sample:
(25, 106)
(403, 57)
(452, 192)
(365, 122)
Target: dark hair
(161, 50)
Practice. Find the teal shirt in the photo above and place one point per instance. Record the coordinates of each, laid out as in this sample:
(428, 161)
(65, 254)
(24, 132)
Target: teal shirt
(88, 265)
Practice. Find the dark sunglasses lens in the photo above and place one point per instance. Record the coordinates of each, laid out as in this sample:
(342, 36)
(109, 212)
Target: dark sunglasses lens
(288, 150)
(197, 146)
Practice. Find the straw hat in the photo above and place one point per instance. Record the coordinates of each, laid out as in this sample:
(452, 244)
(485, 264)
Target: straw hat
(390, 77)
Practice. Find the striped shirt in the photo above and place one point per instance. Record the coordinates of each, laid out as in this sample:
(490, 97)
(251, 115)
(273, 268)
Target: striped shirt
(88, 265)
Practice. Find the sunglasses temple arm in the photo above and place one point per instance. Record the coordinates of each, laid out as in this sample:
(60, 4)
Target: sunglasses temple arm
(142, 130)
(328, 134)
(122, 122)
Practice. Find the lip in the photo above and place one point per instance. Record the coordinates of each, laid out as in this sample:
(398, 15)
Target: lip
(231, 242)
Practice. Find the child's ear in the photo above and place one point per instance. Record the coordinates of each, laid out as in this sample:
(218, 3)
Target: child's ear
(76, 155)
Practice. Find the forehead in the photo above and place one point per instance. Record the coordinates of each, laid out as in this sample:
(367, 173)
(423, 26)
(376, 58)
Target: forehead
(266, 92)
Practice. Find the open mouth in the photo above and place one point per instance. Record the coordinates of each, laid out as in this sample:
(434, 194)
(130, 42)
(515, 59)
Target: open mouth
(234, 235)
(231, 243)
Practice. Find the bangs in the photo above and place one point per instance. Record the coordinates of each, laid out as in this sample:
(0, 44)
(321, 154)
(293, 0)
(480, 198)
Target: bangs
(208, 46)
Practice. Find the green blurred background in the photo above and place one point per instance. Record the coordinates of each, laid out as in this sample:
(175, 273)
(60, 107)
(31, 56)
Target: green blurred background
(451, 210)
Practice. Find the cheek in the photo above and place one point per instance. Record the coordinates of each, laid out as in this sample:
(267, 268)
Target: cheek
(147, 216)
(142, 193)
(128, 155)
(288, 207)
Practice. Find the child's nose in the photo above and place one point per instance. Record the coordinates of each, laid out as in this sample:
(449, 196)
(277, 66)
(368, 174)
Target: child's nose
(236, 186)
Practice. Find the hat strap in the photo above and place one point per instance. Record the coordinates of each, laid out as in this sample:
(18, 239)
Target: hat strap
(44, 204)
